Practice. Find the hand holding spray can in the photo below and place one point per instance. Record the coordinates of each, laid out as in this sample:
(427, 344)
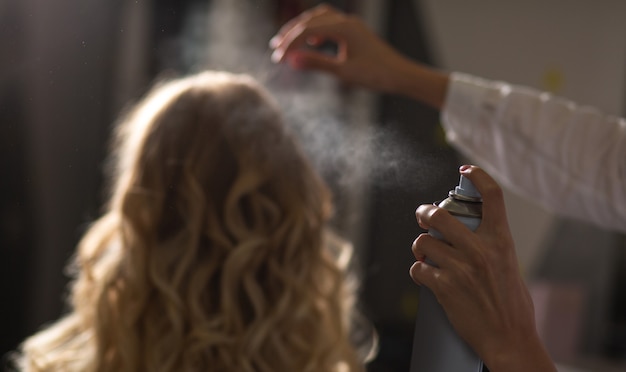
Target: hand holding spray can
(436, 345)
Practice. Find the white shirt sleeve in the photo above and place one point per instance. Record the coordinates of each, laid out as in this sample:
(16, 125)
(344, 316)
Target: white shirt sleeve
(571, 159)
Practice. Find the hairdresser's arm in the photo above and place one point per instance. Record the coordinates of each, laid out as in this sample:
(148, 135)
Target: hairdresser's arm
(363, 58)
(568, 158)
(478, 282)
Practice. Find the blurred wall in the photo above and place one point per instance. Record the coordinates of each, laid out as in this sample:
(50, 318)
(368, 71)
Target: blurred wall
(67, 69)
(56, 78)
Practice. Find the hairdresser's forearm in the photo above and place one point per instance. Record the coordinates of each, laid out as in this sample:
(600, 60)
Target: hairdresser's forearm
(423, 84)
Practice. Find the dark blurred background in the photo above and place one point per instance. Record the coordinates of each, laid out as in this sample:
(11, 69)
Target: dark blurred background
(67, 69)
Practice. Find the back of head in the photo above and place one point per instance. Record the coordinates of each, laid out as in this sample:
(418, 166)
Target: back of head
(213, 252)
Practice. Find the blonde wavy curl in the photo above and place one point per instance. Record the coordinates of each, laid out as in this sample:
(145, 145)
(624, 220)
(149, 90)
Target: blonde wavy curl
(213, 252)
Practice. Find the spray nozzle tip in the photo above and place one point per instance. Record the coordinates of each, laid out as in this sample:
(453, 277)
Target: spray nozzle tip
(466, 188)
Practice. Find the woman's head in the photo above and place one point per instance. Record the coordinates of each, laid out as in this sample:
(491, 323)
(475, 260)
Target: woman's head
(213, 252)
(213, 144)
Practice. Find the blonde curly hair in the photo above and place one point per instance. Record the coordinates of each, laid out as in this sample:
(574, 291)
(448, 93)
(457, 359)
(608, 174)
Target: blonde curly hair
(213, 253)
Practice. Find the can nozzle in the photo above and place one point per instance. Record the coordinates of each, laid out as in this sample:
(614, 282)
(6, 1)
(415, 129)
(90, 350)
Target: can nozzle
(466, 189)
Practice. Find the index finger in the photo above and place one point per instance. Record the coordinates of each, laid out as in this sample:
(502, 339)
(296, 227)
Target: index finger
(277, 39)
(453, 231)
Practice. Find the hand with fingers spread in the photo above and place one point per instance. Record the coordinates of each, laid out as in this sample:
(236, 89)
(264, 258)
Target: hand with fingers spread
(362, 57)
(478, 282)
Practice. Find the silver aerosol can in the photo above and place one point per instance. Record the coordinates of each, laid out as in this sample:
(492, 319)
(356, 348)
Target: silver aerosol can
(436, 345)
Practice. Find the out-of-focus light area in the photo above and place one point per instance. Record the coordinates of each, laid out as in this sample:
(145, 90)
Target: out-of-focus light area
(67, 70)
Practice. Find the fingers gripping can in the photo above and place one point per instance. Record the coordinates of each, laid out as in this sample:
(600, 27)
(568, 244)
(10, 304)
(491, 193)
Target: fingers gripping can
(436, 345)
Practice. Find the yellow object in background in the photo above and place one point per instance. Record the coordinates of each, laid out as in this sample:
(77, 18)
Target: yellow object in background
(553, 80)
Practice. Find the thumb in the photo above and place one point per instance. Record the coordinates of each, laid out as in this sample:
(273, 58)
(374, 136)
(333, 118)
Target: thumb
(311, 60)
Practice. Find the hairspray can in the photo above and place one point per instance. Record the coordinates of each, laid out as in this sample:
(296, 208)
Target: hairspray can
(436, 345)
